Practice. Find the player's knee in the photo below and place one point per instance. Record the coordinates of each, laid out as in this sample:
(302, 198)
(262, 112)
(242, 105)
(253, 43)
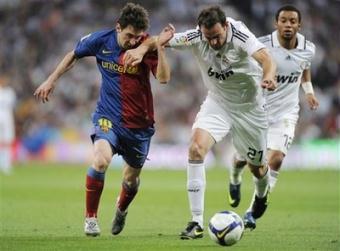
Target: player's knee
(197, 151)
(131, 185)
(101, 162)
(275, 161)
(239, 163)
(258, 171)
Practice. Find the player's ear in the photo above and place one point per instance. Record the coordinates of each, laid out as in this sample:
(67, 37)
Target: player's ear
(118, 28)
(225, 25)
(275, 25)
(299, 26)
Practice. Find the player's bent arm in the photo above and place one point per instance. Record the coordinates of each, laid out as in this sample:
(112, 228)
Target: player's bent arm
(263, 57)
(134, 56)
(46, 88)
(163, 68)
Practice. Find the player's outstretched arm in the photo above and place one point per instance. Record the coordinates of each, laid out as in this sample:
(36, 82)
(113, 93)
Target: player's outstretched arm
(163, 68)
(269, 69)
(46, 88)
(307, 86)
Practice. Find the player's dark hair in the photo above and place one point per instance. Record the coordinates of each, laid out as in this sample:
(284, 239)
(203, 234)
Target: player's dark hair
(134, 15)
(211, 16)
(288, 8)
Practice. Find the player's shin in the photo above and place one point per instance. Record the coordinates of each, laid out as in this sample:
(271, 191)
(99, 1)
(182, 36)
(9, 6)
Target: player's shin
(259, 201)
(94, 188)
(127, 194)
(273, 177)
(262, 183)
(237, 169)
(196, 188)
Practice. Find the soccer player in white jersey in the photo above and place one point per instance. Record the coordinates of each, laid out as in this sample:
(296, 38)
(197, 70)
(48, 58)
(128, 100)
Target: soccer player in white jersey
(235, 68)
(293, 55)
(7, 130)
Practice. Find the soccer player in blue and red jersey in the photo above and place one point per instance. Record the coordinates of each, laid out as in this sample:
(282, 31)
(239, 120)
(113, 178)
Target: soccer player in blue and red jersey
(123, 119)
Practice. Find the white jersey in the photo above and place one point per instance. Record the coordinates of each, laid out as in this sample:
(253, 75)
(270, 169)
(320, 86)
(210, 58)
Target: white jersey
(284, 101)
(231, 75)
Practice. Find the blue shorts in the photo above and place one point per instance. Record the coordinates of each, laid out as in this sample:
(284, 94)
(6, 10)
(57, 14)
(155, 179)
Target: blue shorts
(132, 144)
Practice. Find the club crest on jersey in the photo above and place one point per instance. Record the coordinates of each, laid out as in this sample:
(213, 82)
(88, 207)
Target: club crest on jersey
(222, 75)
(181, 40)
(225, 60)
(105, 124)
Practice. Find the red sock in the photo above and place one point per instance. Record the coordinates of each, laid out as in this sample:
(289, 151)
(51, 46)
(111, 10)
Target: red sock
(127, 194)
(94, 188)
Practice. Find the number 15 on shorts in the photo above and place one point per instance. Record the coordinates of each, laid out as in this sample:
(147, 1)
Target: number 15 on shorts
(253, 154)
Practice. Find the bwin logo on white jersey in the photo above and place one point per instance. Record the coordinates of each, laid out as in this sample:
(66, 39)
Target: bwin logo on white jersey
(288, 79)
(222, 75)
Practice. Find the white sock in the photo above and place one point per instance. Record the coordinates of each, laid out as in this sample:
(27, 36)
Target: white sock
(273, 177)
(261, 185)
(196, 188)
(236, 173)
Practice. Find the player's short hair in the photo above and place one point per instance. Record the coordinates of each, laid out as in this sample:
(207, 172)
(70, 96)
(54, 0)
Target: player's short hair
(287, 8)
(134, 15)
(211, 16)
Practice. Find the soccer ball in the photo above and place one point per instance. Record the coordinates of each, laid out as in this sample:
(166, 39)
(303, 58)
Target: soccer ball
(226, 228)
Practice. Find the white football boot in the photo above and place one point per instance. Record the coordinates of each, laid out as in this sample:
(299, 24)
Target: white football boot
(91, 227)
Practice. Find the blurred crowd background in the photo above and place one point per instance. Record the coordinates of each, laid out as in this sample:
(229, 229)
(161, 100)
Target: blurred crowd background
(36, 34)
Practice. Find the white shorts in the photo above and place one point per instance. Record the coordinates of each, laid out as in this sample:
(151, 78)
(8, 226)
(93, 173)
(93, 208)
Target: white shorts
(248, 128)
(281, 134)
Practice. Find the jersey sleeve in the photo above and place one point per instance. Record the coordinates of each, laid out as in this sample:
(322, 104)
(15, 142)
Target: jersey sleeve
(151, 60)
(245, 39)
(186, 39)
(88, 45)
(310, 48)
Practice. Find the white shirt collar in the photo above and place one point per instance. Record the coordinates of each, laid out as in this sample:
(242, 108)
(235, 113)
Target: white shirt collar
(300, 38)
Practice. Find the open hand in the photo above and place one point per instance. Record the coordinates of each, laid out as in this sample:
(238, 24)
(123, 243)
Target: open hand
(312, 101)
(44, 91)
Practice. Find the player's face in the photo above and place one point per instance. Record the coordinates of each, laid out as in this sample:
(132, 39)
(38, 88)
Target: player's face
(216, 35)
(288, 24)
(128, 37)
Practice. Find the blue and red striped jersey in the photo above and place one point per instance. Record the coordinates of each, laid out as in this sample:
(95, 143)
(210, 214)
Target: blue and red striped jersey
(125, 97)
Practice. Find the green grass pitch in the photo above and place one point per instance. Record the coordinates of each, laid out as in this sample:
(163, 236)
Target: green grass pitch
(42, 208)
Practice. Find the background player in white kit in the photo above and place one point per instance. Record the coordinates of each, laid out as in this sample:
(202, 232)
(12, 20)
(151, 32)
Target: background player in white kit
(229, 57)
(293, 55)
(7, 133)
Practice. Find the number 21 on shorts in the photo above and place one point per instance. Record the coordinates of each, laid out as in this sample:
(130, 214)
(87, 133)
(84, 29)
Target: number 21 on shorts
(252, 154)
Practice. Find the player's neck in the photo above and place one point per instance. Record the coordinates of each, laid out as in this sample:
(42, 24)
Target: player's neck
(288, 44)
